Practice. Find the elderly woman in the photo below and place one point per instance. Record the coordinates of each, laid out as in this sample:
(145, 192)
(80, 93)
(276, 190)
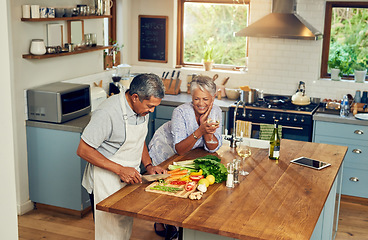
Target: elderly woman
(191, 126)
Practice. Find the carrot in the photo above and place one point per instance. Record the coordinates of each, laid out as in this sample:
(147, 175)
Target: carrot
(173, 171)
(181, 172)
(175, 177)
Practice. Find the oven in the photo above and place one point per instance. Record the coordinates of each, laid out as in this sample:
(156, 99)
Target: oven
(296, 121)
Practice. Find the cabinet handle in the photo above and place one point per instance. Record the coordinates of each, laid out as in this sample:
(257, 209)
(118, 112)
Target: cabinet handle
(359, 132)
(357, 151)
(354, 179)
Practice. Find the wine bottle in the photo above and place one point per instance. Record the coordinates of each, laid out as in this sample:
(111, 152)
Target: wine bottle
(274, 151)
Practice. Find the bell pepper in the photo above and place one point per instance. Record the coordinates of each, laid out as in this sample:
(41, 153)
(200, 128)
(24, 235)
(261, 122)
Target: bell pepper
(196, 177)
(200, 172)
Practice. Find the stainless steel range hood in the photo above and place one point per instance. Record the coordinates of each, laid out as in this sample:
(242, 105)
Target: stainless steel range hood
(283, 22)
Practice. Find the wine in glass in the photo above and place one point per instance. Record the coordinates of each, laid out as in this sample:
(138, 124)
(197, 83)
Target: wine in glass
(244, 151)
(214, 122)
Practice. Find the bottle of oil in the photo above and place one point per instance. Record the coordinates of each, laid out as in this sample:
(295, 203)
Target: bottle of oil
(274, 151)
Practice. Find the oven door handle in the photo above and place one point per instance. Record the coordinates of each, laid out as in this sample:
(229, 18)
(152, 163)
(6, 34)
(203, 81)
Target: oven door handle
(288, 127)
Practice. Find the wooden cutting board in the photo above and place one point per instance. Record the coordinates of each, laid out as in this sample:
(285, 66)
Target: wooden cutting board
(181, 194)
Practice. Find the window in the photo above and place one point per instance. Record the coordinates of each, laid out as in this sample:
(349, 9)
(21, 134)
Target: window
(345, 43)
(205, 25)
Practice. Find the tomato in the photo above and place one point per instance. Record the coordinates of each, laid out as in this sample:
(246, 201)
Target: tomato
(196, 177)
(189, 186)
(178, 182)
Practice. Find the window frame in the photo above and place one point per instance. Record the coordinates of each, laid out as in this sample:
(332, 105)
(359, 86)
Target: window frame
(180, 33)
(327, 33)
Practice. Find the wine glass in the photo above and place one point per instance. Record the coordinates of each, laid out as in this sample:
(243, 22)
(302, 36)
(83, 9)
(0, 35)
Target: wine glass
(244, 151)
(214, 122)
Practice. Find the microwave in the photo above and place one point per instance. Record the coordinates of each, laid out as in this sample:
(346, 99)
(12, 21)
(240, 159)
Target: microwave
(58, 102)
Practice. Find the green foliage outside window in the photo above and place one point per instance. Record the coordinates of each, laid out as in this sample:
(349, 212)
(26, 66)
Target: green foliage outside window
(349, 39)
(209, 28)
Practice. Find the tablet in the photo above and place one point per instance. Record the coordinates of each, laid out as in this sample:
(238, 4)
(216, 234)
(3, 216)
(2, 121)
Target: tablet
(312, 163)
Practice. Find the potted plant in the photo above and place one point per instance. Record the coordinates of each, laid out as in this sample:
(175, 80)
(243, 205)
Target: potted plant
(335, 65)
(360, 71)
(208, 55)
(112, 56)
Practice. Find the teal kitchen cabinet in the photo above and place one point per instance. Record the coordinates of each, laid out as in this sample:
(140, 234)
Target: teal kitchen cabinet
(55, 170)
(355, 137)
(326, 227)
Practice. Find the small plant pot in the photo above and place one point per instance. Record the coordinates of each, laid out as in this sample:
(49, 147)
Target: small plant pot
(335, 74)
(359, 76)
(207, 66)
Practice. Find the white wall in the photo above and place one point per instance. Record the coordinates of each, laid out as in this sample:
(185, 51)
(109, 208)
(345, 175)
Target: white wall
(8, 216)
(29, 73)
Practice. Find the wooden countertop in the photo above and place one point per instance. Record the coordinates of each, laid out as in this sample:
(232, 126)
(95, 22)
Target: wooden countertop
(277, 200)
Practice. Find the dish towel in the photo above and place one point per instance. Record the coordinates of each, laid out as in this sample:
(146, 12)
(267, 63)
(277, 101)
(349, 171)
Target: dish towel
(243, 127)
(266, 131)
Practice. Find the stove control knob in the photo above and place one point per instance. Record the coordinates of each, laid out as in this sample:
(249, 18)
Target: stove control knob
(274, 117)
(280, 118)
(302, 120)
(250, 115)
(295, 119)
(288, 118)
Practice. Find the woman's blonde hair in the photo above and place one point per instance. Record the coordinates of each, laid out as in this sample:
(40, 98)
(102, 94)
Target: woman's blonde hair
(204, 83)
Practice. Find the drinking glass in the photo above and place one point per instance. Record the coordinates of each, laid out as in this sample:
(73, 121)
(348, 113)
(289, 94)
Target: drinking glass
(214, 121)
(244, 151)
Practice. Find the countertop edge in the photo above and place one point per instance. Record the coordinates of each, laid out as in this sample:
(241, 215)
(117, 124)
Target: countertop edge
(337, 119)
(74, 125)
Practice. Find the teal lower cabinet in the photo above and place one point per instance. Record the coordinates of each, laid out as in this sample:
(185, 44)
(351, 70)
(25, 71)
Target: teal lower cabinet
(326, 227)
(355, 137)
(55, 171)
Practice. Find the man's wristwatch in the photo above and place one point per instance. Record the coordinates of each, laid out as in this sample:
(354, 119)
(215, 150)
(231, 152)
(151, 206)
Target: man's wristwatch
(195, 137)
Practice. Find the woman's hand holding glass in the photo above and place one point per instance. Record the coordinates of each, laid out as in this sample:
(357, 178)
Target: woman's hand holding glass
(212, 124)
(244, 151)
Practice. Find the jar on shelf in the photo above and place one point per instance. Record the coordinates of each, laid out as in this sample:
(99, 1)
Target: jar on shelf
(37, 47)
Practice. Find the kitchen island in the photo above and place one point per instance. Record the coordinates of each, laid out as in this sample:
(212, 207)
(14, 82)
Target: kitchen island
(277, 200)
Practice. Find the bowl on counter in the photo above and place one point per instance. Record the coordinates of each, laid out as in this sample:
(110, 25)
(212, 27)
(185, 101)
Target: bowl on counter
(232, 94)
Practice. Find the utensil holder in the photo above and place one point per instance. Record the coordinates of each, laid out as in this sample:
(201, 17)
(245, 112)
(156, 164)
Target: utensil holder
(172, 90)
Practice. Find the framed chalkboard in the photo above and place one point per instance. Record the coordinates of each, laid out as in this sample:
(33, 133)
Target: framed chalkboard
(153, 38)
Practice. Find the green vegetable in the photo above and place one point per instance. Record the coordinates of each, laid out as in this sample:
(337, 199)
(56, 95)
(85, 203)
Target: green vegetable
(166, 188)
(211, 157)
(212, 167)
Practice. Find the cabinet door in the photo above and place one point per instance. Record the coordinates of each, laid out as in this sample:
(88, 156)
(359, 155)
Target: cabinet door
(54, 169)
(164, 112)
(355, 182)
(340, 130)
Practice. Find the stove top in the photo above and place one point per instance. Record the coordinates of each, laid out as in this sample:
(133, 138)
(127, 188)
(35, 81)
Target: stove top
(285, 107)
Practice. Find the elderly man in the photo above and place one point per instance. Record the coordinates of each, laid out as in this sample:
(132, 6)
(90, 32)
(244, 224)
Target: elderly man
(114, 145)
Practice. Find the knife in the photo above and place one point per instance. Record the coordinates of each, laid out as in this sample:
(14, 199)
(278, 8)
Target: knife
(172, 78)
(177, 81)
(166, 75)
(163, 75)
(154, 177)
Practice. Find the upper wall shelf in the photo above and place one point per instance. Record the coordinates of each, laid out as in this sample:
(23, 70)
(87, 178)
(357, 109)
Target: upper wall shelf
(83, 50)
(63, 18)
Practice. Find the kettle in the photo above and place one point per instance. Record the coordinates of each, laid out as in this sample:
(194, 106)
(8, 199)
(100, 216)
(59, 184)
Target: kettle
(299, 98)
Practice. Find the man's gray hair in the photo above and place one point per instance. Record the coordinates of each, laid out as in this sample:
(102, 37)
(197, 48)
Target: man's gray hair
(203, 83)
(147, 85)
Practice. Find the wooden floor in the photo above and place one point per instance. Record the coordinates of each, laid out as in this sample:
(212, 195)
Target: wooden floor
(44, 224)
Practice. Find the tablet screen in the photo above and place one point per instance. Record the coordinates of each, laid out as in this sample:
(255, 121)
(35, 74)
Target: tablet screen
(310, 163)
